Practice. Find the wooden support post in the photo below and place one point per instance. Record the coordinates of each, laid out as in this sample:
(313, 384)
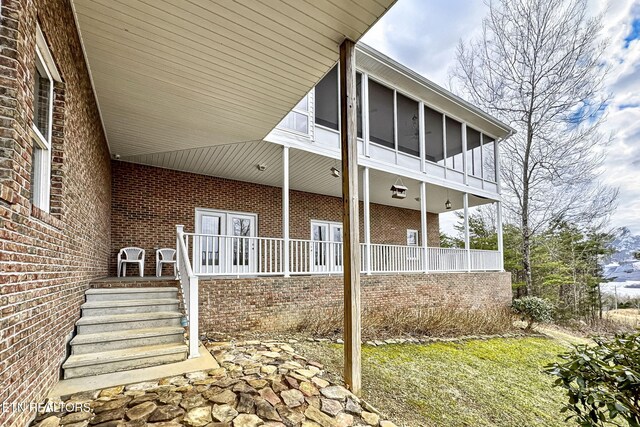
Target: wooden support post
(350, 216)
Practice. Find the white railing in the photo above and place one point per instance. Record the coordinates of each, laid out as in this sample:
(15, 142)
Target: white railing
(218, 255)
(396, 258)
(189, 285)
(447, 259)
(484, 260)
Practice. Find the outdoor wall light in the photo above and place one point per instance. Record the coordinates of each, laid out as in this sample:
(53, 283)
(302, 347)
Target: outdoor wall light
(335, 172)
(261, 167)
(447, 204)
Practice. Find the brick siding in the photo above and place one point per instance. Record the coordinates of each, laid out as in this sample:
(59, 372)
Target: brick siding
(146, 209)
(47, 259)
(275, 303)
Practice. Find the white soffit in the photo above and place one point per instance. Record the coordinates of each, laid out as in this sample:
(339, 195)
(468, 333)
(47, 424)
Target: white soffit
(308, 172)
(175, 75)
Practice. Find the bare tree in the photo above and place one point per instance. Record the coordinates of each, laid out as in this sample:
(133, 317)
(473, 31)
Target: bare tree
(539, 66)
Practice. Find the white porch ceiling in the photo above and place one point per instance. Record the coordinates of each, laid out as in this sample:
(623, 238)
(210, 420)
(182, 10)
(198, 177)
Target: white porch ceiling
(176, 75)
(308, 172)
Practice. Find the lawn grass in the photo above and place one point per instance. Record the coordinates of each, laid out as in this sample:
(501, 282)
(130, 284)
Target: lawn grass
(496, 382)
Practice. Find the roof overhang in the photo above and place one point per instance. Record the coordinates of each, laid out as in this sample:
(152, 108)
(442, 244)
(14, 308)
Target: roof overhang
(177, 75)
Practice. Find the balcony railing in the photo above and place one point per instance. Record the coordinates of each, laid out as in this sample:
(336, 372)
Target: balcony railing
(217, 255)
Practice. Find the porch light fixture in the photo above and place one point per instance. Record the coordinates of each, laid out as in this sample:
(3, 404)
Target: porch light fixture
(335, 172)
(447, 204)
(398, 190)
(261, 167)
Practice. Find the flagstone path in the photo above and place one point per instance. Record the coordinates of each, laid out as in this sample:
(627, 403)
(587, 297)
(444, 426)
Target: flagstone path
(259, 383)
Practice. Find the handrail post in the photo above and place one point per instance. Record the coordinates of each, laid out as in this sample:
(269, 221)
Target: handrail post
(193, 318)
(189, 284)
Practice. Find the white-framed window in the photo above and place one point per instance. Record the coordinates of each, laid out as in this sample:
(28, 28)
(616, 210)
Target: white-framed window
(412, 238)
(44, 75)
(298, 120)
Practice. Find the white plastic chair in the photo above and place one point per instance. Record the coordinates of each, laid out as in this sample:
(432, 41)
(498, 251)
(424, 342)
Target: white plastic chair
(130, 255)
(165, 256)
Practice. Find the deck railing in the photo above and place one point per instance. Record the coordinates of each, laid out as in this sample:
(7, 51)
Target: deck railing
(217, 255)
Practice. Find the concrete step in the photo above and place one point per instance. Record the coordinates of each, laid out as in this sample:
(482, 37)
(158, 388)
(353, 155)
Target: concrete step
(82, 365)
(106, 308)
(123, 322)
(118, 340)
(119, 294)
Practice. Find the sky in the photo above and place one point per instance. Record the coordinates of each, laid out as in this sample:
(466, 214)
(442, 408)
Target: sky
(423, 35)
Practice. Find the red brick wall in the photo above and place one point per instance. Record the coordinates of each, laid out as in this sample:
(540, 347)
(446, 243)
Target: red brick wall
(47, 259)
(146, 208)
(273, 303)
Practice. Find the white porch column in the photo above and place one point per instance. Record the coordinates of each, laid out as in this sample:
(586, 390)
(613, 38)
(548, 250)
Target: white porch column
(285, 210)
(423, 226)
(464, 153)
(465, 199)
(367, 220)
(500, 237)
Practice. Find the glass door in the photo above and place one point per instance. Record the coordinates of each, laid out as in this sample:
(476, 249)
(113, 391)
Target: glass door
(207, 250)
(336, 246)
(326, 246)
(319, 236)
(224, 243)
(242, 229)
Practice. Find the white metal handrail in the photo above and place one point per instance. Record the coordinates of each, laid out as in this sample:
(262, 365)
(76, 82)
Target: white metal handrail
(189, 285)
(220, 255)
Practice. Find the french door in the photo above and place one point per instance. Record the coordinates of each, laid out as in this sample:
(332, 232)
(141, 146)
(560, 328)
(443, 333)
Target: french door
(326, 247)
(225, 242)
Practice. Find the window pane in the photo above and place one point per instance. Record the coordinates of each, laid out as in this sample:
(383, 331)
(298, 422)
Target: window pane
(359, 103)
(408, 126)
(295, 121)
(42, 102)
(474, 153)
(489, 159)
(303, 104)
(454, 144)
(326, 100)
(381, 114)
(433, 135)
(301, 123)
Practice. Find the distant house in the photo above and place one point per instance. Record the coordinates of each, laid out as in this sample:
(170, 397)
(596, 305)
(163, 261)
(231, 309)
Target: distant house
(213, 128)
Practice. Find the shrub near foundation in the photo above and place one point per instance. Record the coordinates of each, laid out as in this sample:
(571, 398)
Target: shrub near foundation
(407, 321)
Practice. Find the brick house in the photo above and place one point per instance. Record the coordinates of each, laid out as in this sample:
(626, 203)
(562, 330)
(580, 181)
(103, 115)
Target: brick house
(120, 123)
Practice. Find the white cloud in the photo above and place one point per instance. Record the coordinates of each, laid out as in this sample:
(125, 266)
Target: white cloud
(423, 35)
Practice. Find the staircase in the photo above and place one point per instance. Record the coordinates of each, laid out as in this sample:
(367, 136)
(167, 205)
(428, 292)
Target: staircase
(126, 328)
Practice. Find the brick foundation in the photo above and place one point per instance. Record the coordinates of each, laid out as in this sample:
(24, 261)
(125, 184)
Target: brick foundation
(146, 209)
(271, 304)
(47, 259)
